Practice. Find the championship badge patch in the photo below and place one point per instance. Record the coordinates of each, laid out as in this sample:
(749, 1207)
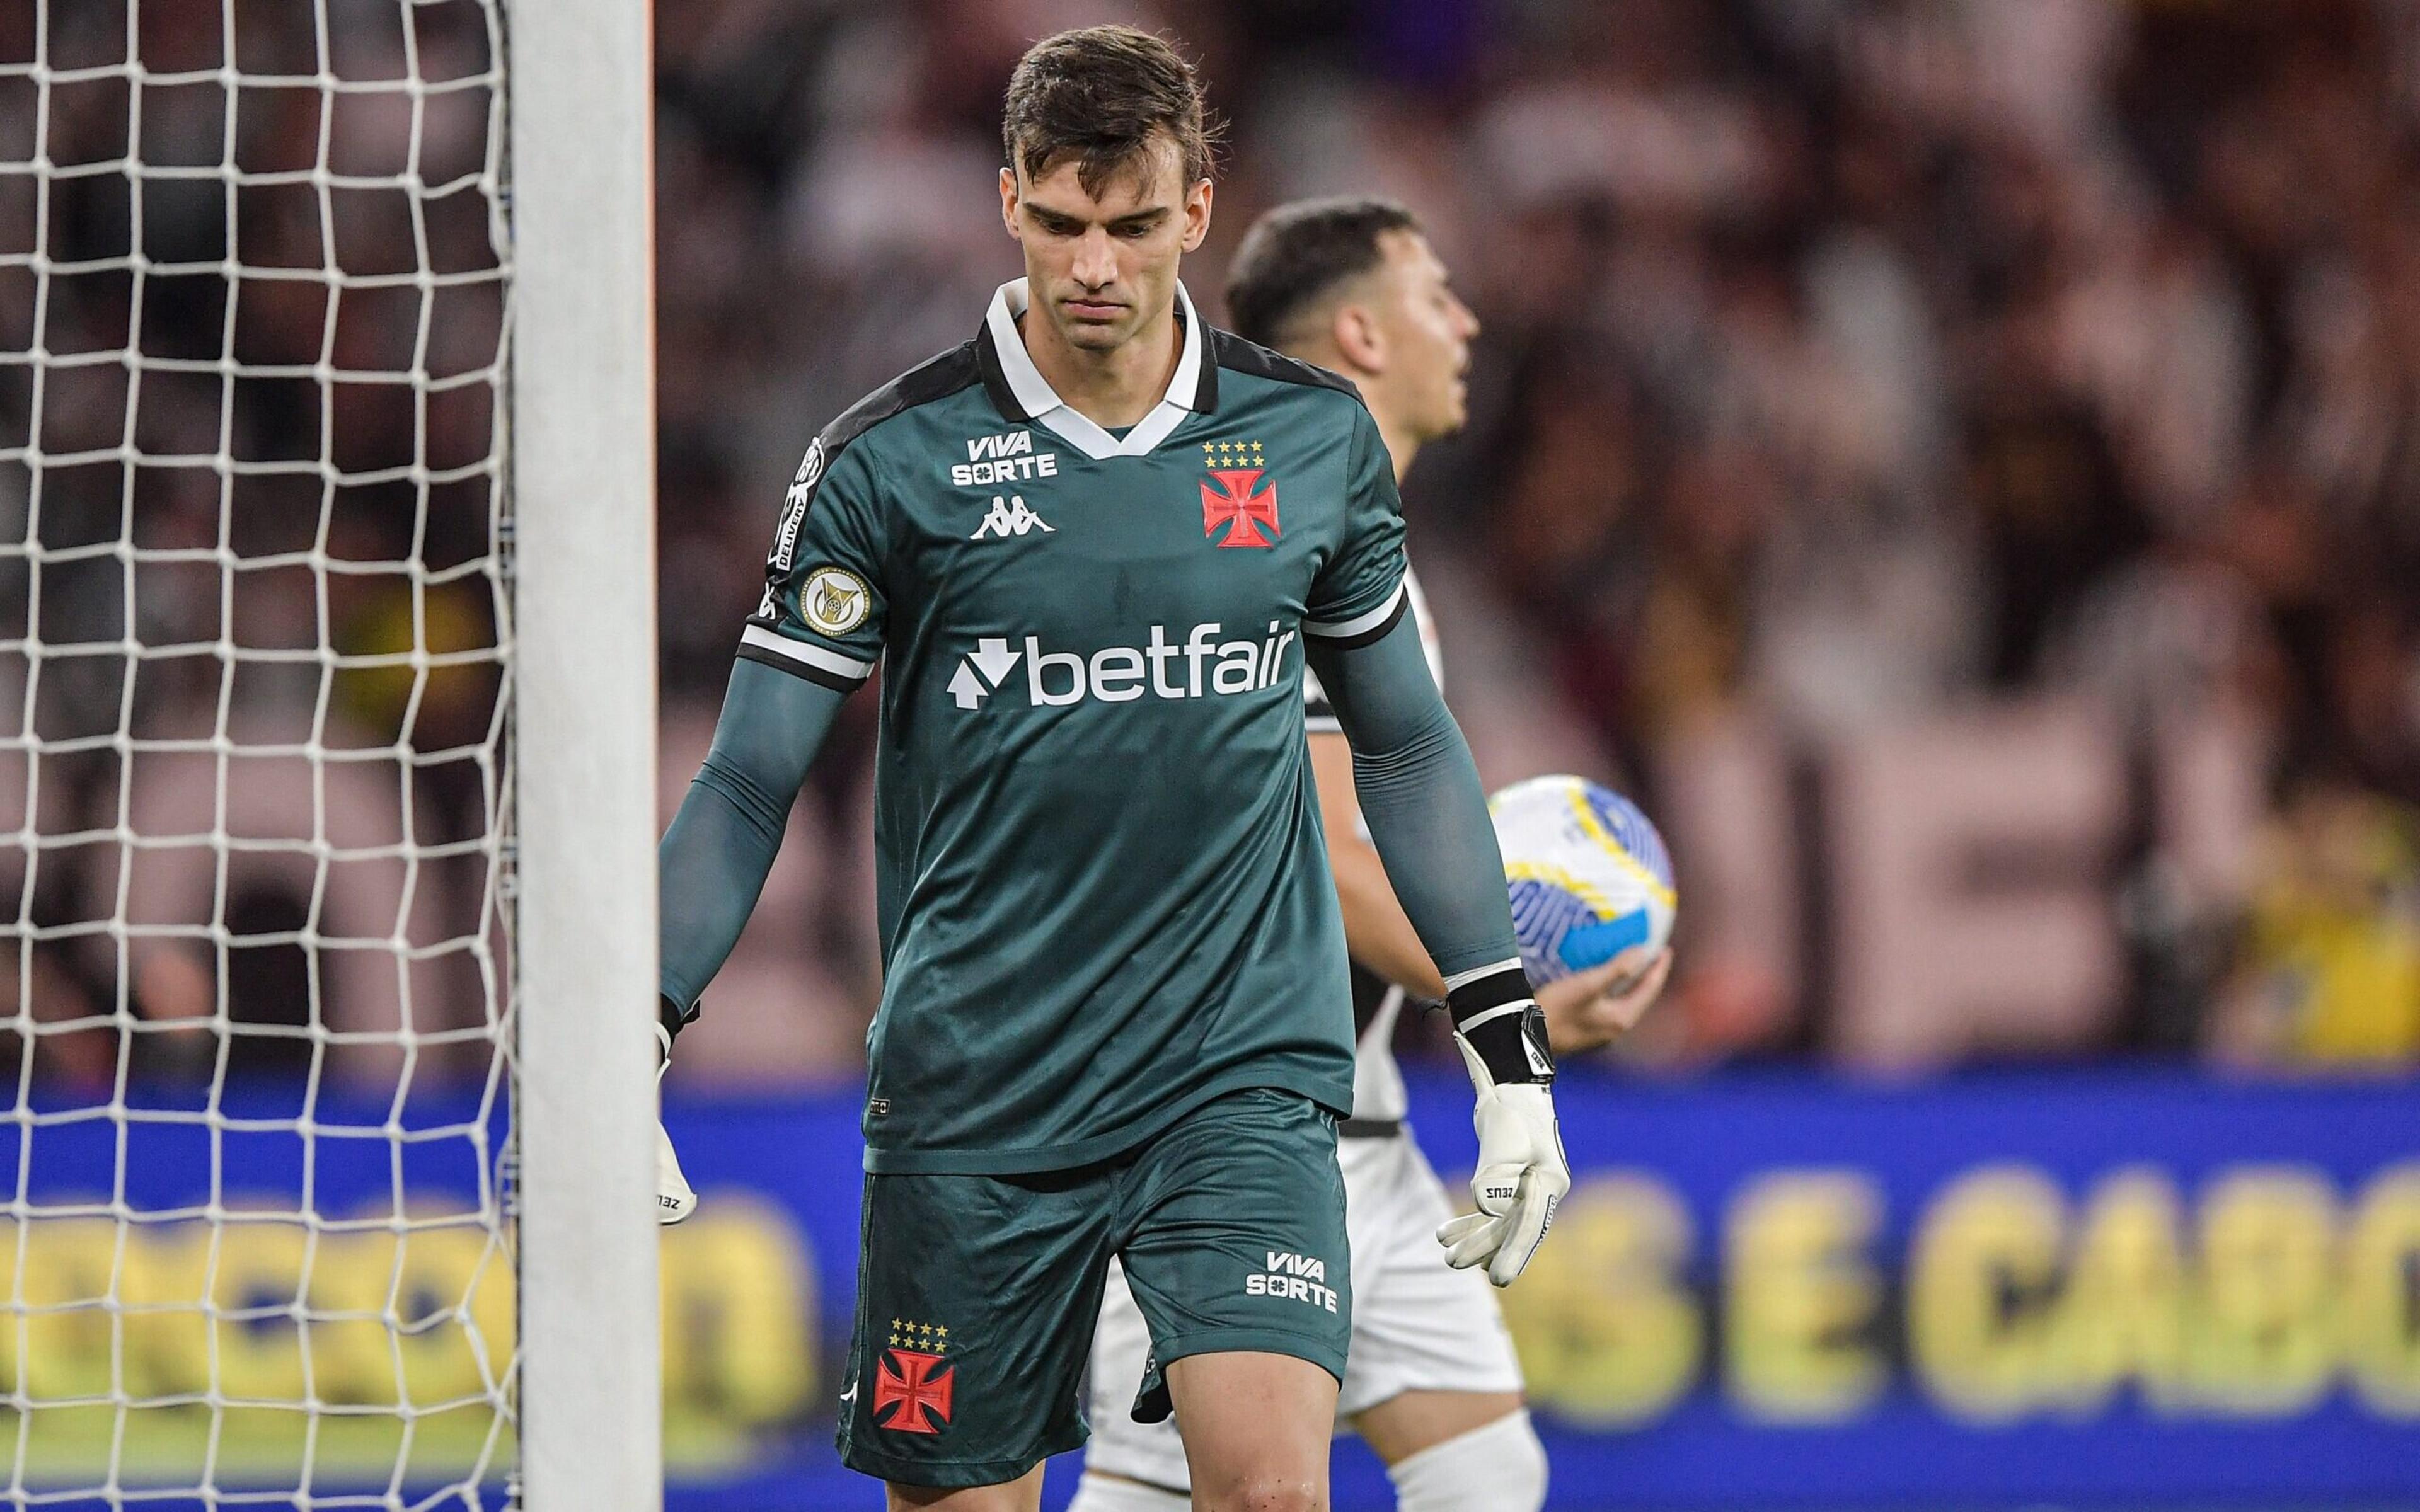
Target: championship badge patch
(1236, 469)
(834, 600)
(912, 1384)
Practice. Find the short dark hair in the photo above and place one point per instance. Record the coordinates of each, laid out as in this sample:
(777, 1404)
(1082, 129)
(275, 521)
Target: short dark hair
(1297, 252)
(1099, 93)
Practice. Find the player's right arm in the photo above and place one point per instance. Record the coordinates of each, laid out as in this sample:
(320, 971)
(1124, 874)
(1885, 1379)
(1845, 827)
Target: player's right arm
(814, 639)
(721, 846)
(713, 860)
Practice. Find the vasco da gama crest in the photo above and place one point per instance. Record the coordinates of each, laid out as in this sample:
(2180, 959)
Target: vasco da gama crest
(912, 1386)
(1229, 500)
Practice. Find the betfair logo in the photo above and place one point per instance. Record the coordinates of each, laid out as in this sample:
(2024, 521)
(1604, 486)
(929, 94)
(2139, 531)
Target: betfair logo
(1201, 665)
(1010, 517)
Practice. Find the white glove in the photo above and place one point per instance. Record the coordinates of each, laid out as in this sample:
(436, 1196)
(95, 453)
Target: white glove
(674, 1199)
(1521, 1172)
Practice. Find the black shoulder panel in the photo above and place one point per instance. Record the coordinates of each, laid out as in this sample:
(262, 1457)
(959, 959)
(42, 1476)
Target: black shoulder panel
(937, 378)
(934, 378)
(1231, 351)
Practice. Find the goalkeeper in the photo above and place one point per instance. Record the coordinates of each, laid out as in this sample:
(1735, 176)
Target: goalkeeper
(1092, 549)
(1433, 1383)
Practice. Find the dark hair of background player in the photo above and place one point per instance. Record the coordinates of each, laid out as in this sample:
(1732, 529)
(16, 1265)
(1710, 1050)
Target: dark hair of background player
(1297, 253)
(1100, 94)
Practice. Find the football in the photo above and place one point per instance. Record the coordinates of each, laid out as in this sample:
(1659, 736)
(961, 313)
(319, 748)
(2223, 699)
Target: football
(1588, 874)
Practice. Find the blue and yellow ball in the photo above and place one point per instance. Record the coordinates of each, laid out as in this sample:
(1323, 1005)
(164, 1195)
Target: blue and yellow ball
(1588, 874)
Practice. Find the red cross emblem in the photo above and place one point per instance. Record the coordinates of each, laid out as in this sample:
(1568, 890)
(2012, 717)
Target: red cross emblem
(1238, 507)
(905, 1380)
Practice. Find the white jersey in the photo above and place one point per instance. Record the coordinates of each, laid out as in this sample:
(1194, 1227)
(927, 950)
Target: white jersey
(1377, 1081)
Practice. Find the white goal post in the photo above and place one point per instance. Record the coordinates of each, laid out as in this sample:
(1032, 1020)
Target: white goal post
(583, 393)
(327, 756)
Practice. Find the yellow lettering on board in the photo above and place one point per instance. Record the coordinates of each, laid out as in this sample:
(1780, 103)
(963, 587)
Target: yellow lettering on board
(255, 1285)
(739, 1313)
(2381, 1293)
(2267, 1344)
(1984, 1263)
(1800, 1295)
(1605, 1326)
(66, 1347)
(167, 1334)
(2122, 1315)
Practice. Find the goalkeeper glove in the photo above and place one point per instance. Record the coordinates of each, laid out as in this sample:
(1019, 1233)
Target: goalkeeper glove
(674, 1199)
(1522, 1173)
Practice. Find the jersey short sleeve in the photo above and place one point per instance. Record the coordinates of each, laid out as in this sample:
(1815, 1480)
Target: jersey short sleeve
(1358, 595)
(823, 611)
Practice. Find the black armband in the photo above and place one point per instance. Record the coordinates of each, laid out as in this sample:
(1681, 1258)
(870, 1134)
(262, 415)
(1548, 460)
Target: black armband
(669, 1014)
(1498, 1016)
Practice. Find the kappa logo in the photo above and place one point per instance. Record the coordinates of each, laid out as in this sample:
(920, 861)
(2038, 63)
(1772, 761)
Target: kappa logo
(1236, 467)
(1011, 519)
(1293, 1277)
(1008, 458)
(1120, 674)
(911, 1383)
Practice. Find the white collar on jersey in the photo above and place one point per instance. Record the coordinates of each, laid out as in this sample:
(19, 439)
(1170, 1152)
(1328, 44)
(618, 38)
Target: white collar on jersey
(1039, 400)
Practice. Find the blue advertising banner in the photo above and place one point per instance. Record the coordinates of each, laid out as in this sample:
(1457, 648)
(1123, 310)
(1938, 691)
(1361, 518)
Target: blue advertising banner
(2078, 1288)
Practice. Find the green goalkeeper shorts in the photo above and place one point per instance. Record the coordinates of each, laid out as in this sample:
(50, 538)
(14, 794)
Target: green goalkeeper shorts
(977, 1295)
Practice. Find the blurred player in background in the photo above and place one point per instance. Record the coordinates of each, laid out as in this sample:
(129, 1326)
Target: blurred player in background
(1093, 549)
(1432, 1383)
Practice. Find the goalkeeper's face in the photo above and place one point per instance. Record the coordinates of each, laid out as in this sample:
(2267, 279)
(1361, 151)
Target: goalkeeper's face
(1102, 268)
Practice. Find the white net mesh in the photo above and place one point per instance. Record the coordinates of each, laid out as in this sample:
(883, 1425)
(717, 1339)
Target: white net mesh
(252, 651)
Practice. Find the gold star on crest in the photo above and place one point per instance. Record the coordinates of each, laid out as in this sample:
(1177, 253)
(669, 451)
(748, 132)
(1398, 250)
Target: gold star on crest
(1231, 454)
(907, 1333)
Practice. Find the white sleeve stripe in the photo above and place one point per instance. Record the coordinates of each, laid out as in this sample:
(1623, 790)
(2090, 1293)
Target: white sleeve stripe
(1464, 979)
(803, 654)
(1358, 622)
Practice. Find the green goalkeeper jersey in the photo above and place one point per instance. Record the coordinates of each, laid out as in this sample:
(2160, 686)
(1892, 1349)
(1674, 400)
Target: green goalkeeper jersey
(1103, 893)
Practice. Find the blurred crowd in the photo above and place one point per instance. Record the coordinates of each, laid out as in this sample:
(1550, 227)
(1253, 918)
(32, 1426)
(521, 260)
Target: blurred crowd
(1848, 366)
(249, 578)
(2005, 410)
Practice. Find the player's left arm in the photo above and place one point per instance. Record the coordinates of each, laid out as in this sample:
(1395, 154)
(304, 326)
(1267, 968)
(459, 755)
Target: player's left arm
(1375, 931)
(1585, 1010)
(1421, 800)
(1420, 797)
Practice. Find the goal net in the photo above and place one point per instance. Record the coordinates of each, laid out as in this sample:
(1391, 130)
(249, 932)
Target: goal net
(257, 697)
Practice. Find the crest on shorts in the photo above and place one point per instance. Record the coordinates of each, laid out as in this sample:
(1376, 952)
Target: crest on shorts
(1236, 469)
(912, 1384)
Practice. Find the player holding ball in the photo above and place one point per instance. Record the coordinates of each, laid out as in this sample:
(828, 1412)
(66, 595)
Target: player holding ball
(1432, 1383)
